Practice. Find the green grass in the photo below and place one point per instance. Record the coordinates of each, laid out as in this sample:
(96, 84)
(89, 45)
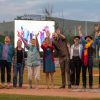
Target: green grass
(57, 77)
(27, 97)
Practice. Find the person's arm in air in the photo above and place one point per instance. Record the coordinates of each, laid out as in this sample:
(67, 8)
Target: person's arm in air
(62, 36)
(83, 41)
(37, 43)
(24, 41)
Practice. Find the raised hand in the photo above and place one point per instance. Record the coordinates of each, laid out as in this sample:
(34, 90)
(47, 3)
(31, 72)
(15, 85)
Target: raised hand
(79, 30)
(36, 35)
(19, 34)
(79, 27)
(55, 35)
(96, 34)
(48, 34)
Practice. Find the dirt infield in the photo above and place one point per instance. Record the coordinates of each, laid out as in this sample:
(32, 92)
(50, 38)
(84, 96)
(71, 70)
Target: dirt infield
(42, 91)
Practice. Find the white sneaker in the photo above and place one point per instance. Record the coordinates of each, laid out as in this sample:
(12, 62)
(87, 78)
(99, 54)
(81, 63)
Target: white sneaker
(3, 85)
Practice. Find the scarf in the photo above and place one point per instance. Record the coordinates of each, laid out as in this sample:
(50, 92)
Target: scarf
(85, 55)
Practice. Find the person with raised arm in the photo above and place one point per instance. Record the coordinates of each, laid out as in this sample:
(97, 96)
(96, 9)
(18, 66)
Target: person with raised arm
(97, 46)
(48, 61)
(33, 60)
(87, 58)
(61, 45)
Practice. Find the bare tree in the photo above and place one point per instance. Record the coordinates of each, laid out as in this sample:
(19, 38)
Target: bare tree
(48, 11)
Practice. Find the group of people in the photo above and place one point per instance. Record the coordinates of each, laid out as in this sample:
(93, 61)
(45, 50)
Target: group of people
(72, 59)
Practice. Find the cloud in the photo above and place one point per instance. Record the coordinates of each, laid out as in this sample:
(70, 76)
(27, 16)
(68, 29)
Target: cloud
(77, 0)
(71, 9)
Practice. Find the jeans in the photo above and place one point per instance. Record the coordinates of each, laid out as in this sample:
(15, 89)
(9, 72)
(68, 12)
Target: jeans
(18, 68)
(7, 65)
(99, 72)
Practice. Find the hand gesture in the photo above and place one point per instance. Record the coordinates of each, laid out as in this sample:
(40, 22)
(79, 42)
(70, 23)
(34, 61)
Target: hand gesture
(79, 27)
(79, 30)
(96, 34)
(55, 35)
(19, 34)
(48, 34)
(36, 35)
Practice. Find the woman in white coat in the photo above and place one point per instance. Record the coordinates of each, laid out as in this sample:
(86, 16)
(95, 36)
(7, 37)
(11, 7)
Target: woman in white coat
(75, 61)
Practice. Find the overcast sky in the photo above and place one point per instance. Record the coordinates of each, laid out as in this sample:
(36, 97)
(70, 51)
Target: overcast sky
(69, 9)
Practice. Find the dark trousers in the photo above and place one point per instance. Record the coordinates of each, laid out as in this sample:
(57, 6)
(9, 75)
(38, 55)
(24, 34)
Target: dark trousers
(75, 66)
(99, 72)
(90, 71)
(65, 70)
(18, 68)
(0, 65)
(5, 65)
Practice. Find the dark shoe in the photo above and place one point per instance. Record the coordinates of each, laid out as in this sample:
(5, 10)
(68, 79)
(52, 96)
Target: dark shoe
(84, 87)
(14, 86)
(99, 86)
(30, 84)
(2, 87)
(69, 86)
(90, 87)
(20, 85)
(8, 87)
(62, 87)
(30, 87)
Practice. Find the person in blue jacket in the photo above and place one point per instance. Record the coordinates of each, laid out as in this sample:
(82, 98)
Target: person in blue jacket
(6, 55)
(97, 46)
(87, 58)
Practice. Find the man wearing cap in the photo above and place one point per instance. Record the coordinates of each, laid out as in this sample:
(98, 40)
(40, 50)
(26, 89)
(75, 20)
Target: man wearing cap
(87, 58)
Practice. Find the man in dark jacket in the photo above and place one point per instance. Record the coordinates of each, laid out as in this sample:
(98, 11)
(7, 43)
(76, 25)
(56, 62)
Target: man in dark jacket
(60, 44)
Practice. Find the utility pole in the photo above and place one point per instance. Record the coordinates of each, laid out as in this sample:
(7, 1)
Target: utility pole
(86, 28)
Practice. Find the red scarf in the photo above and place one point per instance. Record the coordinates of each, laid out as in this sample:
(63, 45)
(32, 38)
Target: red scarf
(85, 55)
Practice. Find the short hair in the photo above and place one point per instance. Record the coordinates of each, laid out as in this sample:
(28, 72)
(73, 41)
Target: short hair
(20, 41)
(33, 39)
(8, 36)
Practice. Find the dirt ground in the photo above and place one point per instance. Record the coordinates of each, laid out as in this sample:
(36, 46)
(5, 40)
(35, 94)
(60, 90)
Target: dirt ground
(43, 91)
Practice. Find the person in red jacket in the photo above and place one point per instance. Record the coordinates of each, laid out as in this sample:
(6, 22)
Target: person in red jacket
(48, 60)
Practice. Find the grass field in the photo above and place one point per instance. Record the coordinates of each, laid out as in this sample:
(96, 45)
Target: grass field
(26, 97)
(57, 77)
